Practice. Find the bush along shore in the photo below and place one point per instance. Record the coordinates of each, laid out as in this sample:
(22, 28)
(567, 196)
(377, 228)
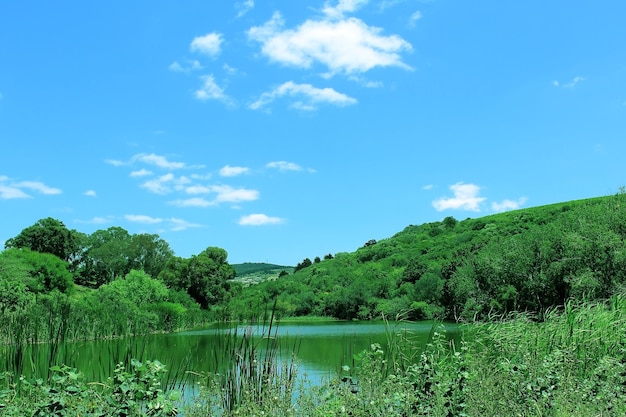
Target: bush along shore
(571, 362)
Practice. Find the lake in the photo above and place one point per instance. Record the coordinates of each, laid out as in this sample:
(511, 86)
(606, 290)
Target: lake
(321, 348)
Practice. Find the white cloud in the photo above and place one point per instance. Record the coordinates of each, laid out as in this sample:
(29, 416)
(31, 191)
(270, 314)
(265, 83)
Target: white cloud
(508, 205)
(141, 173)
(228, 194)
(11, 190)
(229, 70)
(90, 193)
(428, 187)
(209, 44)
(575, 81)
(244, 7)
(114, 162)
(158, 160)
(193, 202)
(96, 220)
(224, 194)
(201, 177)
(8, 192)
(38, 186)
(228, 171)
(345, 46)
(284, 166)
(159, 185)
(417, 15)
(211, 91)
(310, 96)
(177, 225)
(198, 189)
(465, 198)
(342, 7)
(141, 218)
(186, 67)
(259, 220)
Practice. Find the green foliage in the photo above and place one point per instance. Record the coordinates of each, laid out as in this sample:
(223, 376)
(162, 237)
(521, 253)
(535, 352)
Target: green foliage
(248, 268)
(38, 272)
(524, 260)
(137, 392)
(48, 236)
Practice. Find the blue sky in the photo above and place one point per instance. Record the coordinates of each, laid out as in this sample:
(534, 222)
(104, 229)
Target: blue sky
(280, 130)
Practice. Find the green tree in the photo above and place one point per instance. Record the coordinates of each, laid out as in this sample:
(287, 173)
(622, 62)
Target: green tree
(106, 256)
(149, 253)
(207, 276)
(48, 236)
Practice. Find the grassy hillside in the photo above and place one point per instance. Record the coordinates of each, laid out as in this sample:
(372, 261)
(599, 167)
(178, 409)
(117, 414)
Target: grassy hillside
(252, 273)
(530, 259)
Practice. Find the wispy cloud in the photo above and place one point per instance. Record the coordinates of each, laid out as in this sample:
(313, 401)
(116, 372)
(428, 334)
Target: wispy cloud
(284, 166)
(259, 220)
(508, 205)
(90, 193)
(342, 7)
(228, 194)
(347, 45)
(244, 7)
(39, 187)
(10, 189)
(223, 194)
(211, 91)
(228, 171)
(573, 83)
(428, 187)
(186, 67)
(209, 44)
(193, 202)
(143, 219)
(8, 192)
(159, 185)
(415, 16)
(97, 220)
(307, 96)
(158, 160)
(177, 225)
(465, 198)
(115, 162)
(141, 173)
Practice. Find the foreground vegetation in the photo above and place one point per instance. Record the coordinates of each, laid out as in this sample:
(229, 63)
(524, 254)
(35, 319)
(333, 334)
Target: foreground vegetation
(536, 279)
(571, 363)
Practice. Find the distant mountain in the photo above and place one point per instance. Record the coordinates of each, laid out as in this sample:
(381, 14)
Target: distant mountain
(249, 268)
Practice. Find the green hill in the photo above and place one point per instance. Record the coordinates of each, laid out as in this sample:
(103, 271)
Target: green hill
(249, 273)
(531, 260)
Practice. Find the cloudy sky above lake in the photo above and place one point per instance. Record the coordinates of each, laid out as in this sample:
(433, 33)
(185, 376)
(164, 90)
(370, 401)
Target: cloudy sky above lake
(280, 130)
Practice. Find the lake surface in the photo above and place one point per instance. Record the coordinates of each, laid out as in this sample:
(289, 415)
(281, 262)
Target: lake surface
(321, 348)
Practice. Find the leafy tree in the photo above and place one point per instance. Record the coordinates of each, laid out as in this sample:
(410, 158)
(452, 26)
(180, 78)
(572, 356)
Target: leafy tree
(139, 288)
(304, 264)
(449, 222)
(207, 276)
(149, 253)
(328, 256)
(106, 256)
(317, 260)
(48, 236)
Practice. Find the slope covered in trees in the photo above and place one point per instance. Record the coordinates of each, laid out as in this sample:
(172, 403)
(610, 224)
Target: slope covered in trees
(529, 260)
(525, 260)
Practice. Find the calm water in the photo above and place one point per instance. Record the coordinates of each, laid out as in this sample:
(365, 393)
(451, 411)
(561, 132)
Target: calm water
(321, 348)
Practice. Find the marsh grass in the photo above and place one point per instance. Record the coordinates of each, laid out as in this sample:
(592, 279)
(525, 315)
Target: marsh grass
(572, 362)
